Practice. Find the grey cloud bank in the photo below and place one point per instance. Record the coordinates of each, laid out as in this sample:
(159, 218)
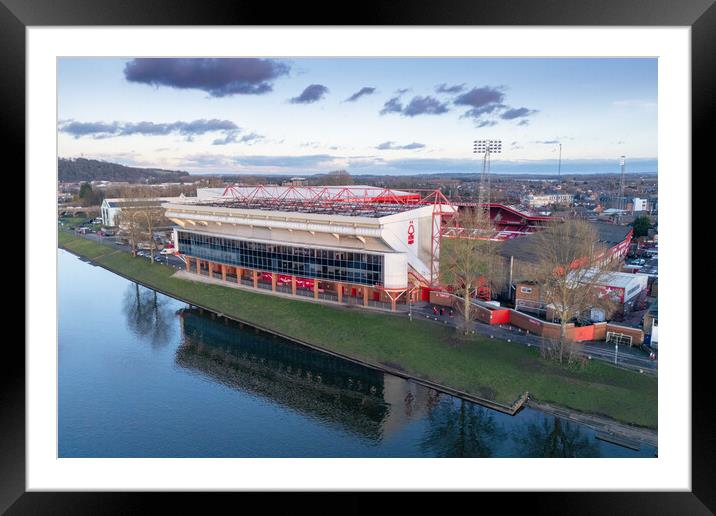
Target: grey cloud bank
(233, 137)
(511, 114)
(417, 106)
(393, 146)
(425, 106)
(100, 130)
(219, 77)
(444, 88)
(392, 106)
(312, 93)
(486, 102)
(360, 93)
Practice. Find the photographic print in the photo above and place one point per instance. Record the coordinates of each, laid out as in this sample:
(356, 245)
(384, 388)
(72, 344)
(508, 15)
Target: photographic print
(298, 257)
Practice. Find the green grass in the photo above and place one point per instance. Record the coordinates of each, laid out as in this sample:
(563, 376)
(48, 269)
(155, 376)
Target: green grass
(73, 221)
(490, 368)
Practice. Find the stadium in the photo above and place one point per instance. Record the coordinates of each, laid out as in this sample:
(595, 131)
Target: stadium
(359, 245)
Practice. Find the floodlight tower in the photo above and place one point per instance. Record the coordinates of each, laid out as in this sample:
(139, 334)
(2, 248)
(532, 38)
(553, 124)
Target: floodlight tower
(486, 148)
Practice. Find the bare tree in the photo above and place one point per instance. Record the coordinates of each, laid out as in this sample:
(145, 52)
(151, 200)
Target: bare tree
(150, 214)
(128, 224)
(212, 182)
(571, 268)
(466, 260)
(337, 177)
(141, 217)
(151, 218)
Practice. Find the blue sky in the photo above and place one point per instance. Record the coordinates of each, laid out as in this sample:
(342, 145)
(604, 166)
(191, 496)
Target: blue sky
(367, 115)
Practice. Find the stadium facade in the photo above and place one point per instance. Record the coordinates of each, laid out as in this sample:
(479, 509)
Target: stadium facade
(358, 244)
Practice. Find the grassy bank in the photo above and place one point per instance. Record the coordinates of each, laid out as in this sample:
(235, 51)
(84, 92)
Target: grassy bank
(489, 368)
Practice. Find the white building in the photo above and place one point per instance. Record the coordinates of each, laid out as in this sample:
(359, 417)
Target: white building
(624, 287)
(112, 208)
(639, 204)
(367, 243)
(538, 201)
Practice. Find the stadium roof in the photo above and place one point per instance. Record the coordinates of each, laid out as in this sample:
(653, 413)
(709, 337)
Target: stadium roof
(351, 209)
(352, 200)
(523, 249)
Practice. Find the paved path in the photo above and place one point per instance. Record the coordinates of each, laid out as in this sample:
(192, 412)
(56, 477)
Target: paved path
(630, 358)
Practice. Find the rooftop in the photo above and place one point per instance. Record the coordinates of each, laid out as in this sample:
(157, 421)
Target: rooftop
(620, 279)
(523, 249)
(347, 208)
(133, 203)
(353, 200)
(326, 192)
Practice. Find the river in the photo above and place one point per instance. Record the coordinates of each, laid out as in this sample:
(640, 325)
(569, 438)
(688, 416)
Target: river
(142, 375)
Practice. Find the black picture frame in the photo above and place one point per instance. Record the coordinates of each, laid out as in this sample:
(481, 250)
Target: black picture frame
(16, 15)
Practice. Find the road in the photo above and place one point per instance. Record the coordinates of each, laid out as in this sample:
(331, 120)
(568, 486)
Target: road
(167, 259)
(630, 358)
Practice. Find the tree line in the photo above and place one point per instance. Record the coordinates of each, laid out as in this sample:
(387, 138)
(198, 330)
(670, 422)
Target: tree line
(83, 169)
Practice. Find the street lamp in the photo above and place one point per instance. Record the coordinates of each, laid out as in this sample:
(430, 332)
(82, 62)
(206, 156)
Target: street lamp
(616, 352)
(410, 303)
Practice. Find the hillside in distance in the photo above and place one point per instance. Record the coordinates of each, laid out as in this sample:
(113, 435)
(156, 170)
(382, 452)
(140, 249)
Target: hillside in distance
(82, 169)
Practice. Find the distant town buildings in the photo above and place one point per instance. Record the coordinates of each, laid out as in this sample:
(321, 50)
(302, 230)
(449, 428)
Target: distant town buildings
(542, 200)
(295, 181)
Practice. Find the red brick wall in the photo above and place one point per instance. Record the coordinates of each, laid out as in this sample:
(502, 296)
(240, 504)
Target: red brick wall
(531, 296)
(482, 314)
(441, 298)
(600, 331)
(526, 322)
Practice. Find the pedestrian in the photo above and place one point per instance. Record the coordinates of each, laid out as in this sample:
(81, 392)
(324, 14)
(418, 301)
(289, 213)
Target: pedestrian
(435, 310)
(442, 311)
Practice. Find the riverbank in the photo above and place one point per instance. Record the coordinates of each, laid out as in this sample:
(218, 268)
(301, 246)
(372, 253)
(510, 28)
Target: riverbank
(486, 368)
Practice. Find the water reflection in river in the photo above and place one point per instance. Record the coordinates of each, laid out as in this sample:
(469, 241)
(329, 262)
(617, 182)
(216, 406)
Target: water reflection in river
(142, 375)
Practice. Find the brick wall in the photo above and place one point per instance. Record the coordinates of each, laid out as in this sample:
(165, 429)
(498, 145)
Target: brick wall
(532, 294)
(441, 298)
(600, 331)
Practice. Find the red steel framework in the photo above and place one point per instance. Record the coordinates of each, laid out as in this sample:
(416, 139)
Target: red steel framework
(522, 223)
(339, 199)
(311, 194)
